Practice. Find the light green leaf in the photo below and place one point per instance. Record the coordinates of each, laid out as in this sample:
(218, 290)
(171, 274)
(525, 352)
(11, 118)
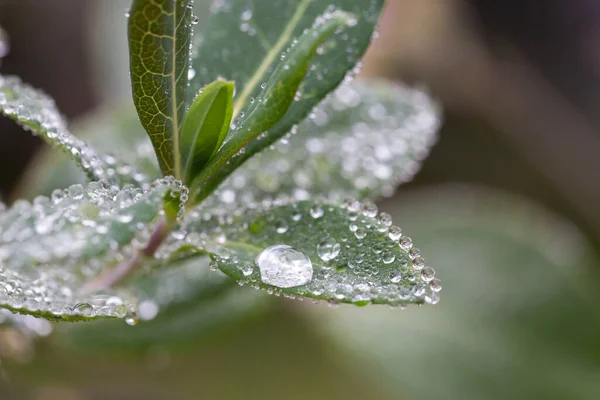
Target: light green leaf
(205, 126)
(244, 43)
(159, 43)
(314, 249)
(49, 248)
(361, 142)
(37, 112)
(520, 315)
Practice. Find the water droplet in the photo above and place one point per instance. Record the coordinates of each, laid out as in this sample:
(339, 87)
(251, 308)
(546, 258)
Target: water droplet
(284, 267)
(360, 233)
(394, 233)
(316, 211)
(132, 319)
(427, 274)
(84, 309)
(147, 310)
(246, 15)
(191, 73)
(281, 226)
(385, 219)
(369, 209)
(247, 270)
(195, 20)
(388, 257)
(435, 285)
(328, 249)
(395, 276)
(406, 242)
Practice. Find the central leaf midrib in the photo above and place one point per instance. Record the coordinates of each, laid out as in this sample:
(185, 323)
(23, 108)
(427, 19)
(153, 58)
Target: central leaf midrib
(254, 80)
(175, 117)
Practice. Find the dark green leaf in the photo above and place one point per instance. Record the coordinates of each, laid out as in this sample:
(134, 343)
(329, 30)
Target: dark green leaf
(205, 126)
(244, 43)
(318, 250)
(159, 43)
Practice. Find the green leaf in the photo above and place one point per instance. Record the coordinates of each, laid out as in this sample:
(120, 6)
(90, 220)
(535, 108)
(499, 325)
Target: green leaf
(205, 126)
(361, 142)
(49, 248)
(519, 318)
(191, 301)
(244, 43)
(159, 43)
(318, 250)
(37, 112)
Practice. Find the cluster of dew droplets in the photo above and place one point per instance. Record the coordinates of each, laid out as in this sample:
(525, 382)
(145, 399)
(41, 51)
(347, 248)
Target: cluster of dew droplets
(369, 138)
(51, 246)
(348, 254)
(37, 112)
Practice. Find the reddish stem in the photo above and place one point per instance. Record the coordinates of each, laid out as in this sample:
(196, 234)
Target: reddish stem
(111, 277)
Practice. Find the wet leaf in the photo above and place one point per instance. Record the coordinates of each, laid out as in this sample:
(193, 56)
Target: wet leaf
(361, 142)
(519, 319)
(346, 253)
(205, 126)
(159, 42)
(244, 43)
(177, 305)
(37, 112)
(50, 247)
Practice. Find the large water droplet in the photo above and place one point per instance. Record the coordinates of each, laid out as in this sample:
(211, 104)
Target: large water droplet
(284, 267)
(328, 249)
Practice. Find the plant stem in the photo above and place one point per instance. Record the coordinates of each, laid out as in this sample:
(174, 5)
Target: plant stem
(111, 277)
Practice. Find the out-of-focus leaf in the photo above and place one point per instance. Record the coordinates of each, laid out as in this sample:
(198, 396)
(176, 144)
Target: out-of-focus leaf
(37, 112)
(318, 250)
(205, 126)
(519, 318)
(159, 45)
(361, 142)
(244, 43)
(177, 305)
(49, 248)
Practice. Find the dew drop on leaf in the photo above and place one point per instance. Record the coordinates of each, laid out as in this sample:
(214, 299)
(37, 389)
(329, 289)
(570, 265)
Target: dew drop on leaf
(328, 249)
(282, 266)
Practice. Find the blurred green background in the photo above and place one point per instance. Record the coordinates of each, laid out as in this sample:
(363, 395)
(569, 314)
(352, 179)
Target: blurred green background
(506, 209)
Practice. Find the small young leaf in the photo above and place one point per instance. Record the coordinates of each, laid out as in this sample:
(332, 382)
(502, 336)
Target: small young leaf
(205, 126)
(314, 249)
(274, 100)
(37, 112)
(159, 43)
(361, 142)
(50, 247)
